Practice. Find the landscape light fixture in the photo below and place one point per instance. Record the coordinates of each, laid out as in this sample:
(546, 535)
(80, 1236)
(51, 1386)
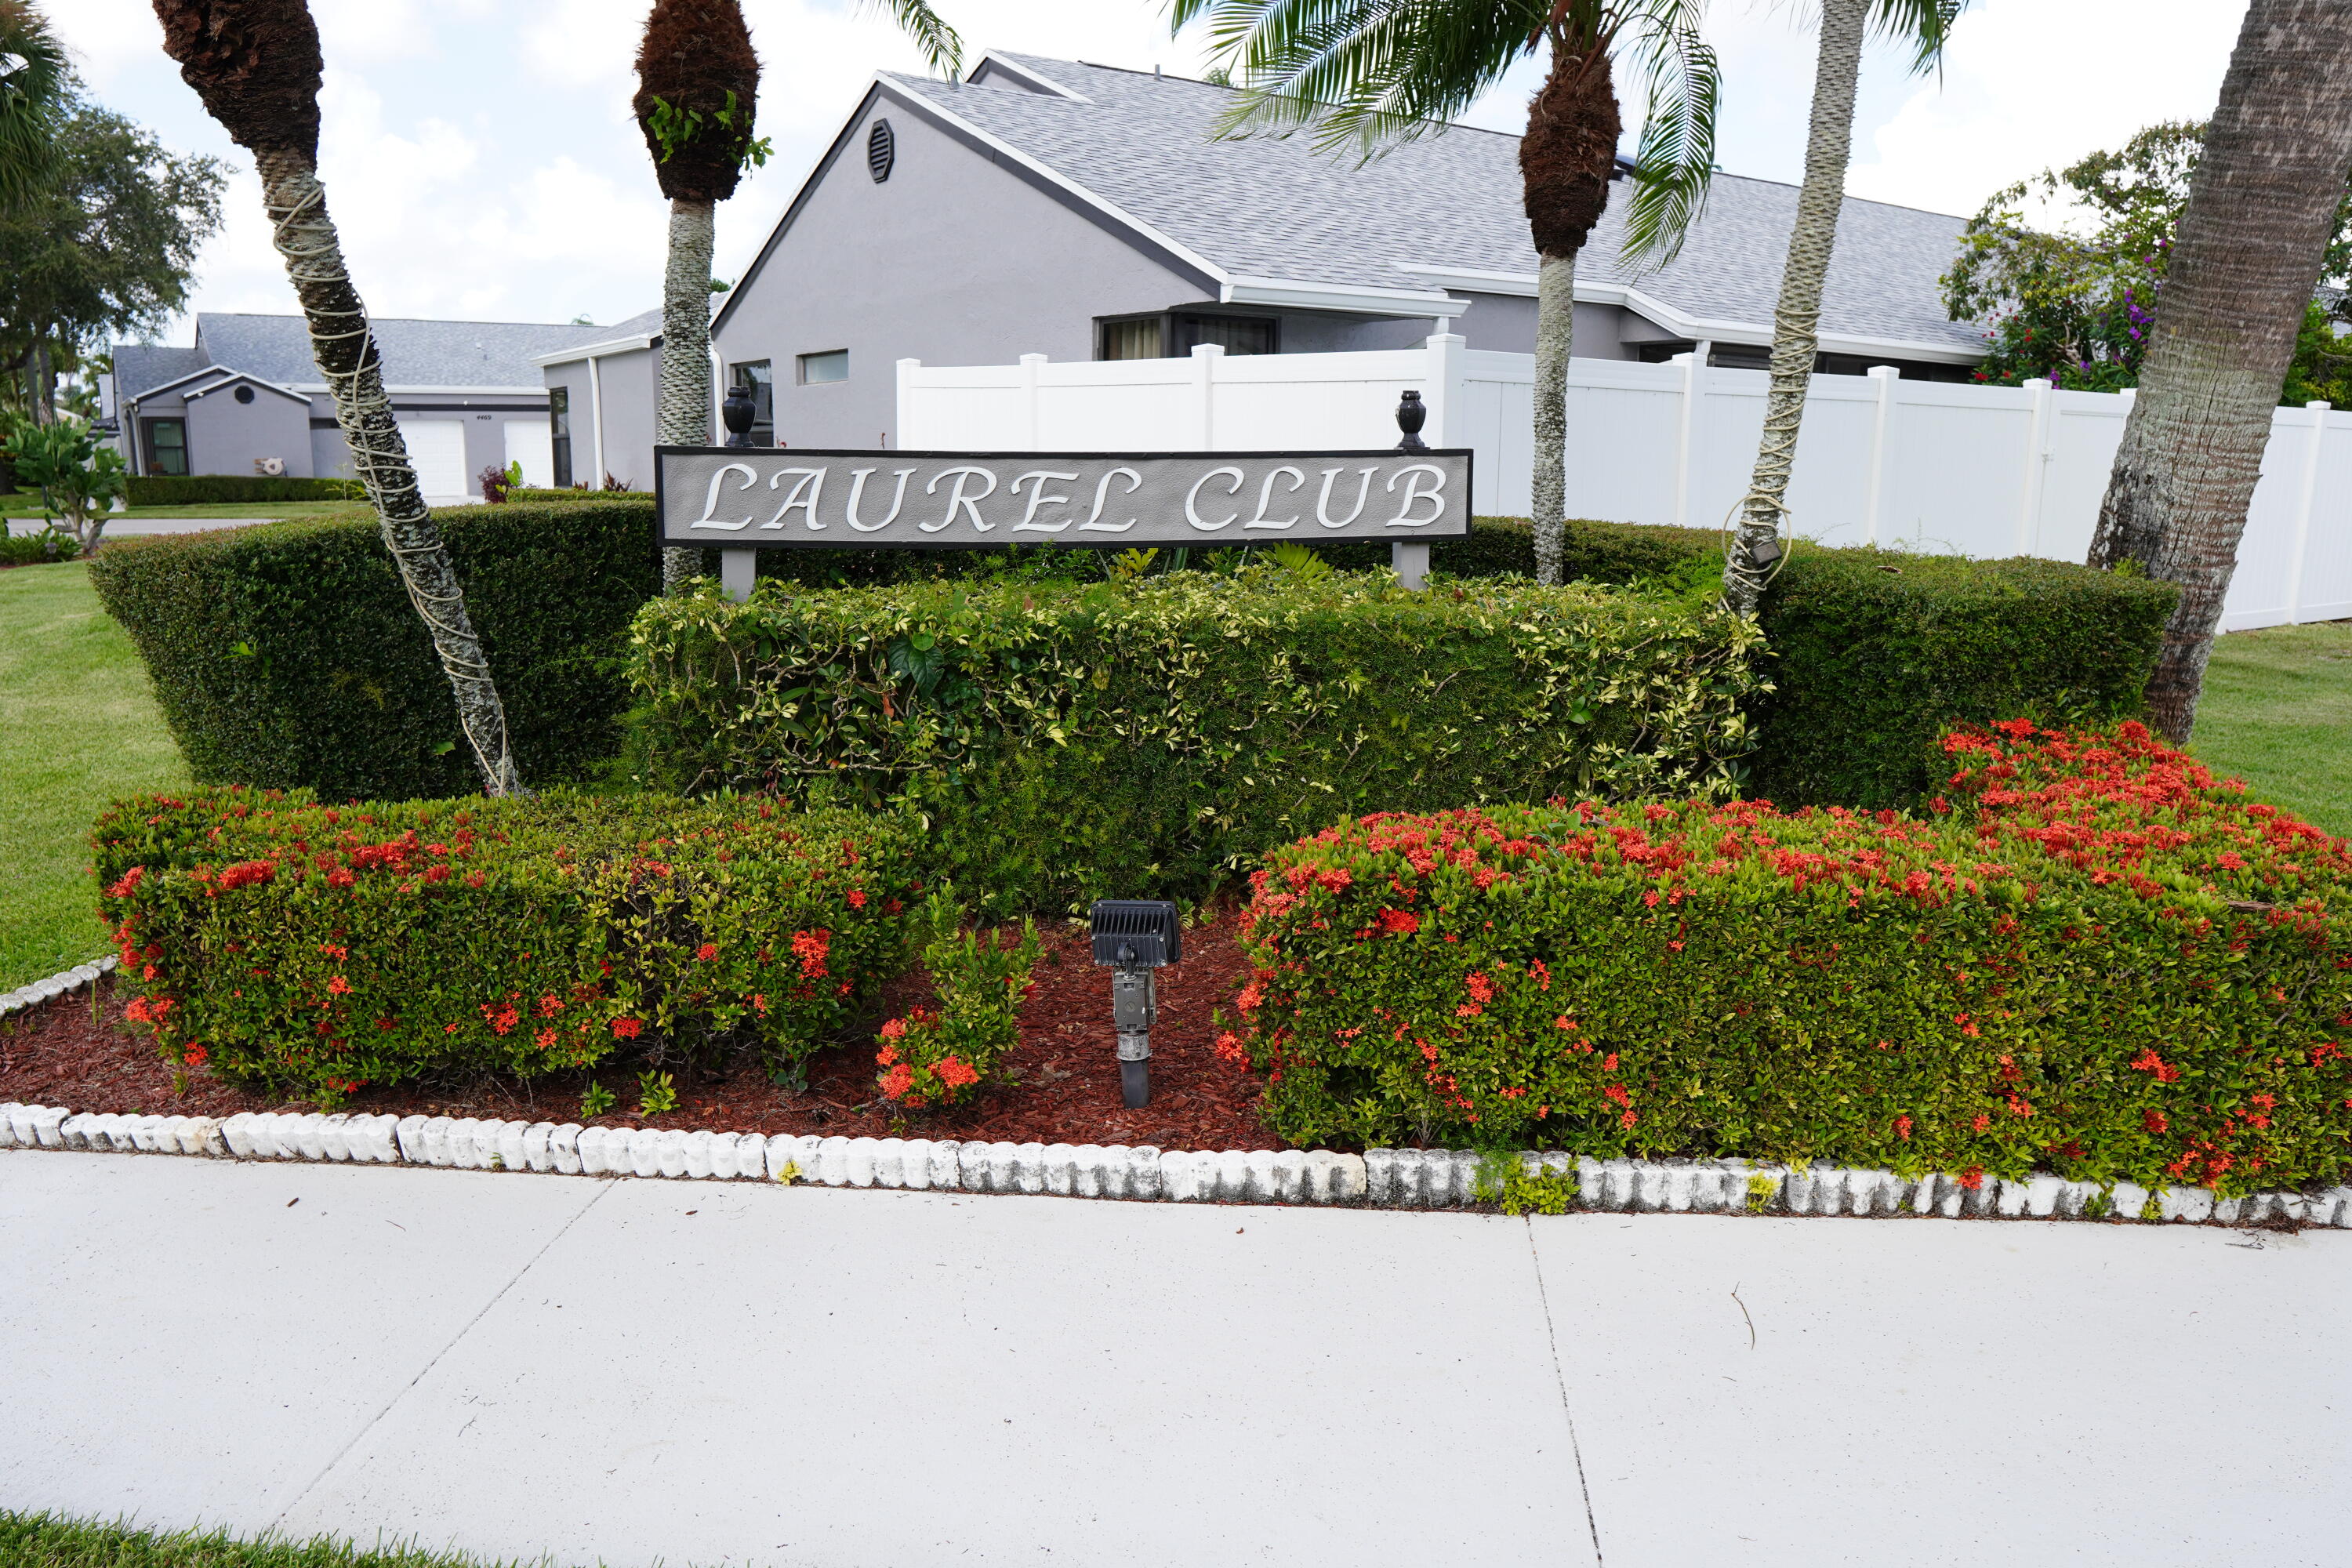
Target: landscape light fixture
(1134, 937)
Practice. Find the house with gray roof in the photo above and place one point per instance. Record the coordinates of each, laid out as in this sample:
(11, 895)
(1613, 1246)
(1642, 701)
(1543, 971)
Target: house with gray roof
(1085, 212)
(248, 398)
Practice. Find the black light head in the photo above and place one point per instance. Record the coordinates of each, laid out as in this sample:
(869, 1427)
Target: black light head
(1136, 933)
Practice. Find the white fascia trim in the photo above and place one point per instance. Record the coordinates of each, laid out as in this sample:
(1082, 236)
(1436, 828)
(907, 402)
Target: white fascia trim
(1522, 285)
(1026, 74)
(1353, 298)
(179, 381)
(1006, 149)
(596, 351)
(317, 387)
(232, 377)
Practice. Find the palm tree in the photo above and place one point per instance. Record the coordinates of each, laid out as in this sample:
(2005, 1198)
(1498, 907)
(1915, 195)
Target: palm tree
(1367, 74)
(698, 91)
(34, 81)
(256, 65)
(2262, 207)
(1795, 322)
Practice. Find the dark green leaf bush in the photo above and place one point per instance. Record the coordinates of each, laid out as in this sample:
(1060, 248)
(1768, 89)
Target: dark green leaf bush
(288, 656)
(2093, 958)
(35, 548)
(317, 950)
(1877, 652)
(1066, 741)
(221, 490)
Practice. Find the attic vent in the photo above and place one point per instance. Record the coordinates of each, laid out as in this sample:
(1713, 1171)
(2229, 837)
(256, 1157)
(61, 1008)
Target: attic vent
(881, 151)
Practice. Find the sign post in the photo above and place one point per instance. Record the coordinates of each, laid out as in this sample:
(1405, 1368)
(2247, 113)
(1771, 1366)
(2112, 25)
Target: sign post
(741, 499)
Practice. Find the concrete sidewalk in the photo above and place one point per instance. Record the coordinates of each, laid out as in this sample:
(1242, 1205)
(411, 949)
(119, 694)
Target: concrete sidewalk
(725, 1373)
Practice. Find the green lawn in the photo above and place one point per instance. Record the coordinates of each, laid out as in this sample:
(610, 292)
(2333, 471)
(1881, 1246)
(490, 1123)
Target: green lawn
(40, 1540)
(23, 508)
(2277, 711)
(78, 726)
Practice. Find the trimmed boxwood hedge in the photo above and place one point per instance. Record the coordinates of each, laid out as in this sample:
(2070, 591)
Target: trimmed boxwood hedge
(208, 490)
(1066, 741)
(2090, 957)
(288, 655)
(1877, 652)
(317, 950)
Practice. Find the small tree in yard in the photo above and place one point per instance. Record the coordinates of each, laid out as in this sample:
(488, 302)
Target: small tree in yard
(697, 90)
(2253, 239)
(256, 66)
(78, 476)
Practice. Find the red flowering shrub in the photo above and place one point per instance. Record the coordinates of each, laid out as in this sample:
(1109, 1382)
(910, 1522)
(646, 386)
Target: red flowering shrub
(932, 1059)
(2088, 955)
(317, 948)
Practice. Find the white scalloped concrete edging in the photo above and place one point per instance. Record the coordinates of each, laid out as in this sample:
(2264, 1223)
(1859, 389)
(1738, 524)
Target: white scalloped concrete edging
(1384, 1178)
(56, 985)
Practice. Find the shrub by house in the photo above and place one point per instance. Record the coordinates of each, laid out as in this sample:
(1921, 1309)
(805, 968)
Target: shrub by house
(1066, 740)
(2089, 956)
(317, 950)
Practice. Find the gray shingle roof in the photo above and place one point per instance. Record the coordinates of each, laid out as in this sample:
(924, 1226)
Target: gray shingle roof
(144, 367)
(1268, 207)
(415, 352)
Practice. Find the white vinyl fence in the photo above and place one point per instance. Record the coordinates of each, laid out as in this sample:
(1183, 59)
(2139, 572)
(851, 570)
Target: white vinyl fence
(1910, 464)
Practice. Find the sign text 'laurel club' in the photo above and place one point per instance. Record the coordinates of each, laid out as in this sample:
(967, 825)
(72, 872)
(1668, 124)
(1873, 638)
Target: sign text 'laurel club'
(737, 498)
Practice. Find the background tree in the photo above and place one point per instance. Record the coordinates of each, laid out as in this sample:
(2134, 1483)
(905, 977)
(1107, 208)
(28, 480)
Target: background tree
(79, 473)
(1367, 74)
(256, 66)
(2264, 200)
(104, 246)
(35, 77)
(1795, 319)
(2076, 304)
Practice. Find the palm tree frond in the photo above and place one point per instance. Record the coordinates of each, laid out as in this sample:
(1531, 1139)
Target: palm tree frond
(942, 49)
(1674, 160)
(1924, 25)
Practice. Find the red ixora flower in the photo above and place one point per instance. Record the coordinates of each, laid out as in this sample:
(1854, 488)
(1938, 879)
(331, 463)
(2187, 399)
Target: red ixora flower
(627, 1028)
(195, 1055)
(895, 1029)
(707, 951)
(339, 986)
(1903, 1128)
(856, 898)
(955, 1073)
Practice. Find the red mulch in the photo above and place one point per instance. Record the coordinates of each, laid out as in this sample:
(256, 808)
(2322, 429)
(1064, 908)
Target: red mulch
(1059, 1086)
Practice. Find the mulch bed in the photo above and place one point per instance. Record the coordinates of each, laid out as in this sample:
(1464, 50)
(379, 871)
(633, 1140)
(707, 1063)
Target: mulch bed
(1059, 1086)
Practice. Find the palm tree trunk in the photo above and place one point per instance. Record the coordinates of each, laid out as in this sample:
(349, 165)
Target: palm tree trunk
(41, 383)
(1555, 330)
(346, 351)
(1796, 322)
(684, 414)
(2244, 266)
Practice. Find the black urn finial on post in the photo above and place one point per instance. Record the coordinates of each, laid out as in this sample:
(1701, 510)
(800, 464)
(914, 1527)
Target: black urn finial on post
(1410, 415)
(737, 412)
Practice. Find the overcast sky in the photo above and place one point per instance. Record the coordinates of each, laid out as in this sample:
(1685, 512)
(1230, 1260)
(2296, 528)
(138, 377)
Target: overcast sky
(480, 159)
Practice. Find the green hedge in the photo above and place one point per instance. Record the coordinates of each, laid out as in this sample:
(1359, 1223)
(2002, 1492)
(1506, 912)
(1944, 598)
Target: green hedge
(2095, 960)
(1066, 741)
(206, 489)
(317, 950)
(1877, 652)
(288, 655)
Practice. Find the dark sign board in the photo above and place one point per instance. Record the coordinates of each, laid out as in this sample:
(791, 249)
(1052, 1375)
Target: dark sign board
(736, 498)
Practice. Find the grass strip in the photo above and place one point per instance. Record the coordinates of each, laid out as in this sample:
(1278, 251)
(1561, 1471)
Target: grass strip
(45, 1540)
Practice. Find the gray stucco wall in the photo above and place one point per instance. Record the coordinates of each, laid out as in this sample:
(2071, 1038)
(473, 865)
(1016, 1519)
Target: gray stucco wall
(951, 260)
(226, 436)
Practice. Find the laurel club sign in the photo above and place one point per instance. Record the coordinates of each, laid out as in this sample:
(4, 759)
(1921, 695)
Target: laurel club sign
(748, 498)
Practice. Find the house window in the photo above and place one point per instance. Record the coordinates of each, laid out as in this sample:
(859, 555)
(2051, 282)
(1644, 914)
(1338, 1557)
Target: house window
(1234, 334)
(818, 369)
(559, 420)
(754, 376)
(1174, 333)
(167, 446)
(1136, 337)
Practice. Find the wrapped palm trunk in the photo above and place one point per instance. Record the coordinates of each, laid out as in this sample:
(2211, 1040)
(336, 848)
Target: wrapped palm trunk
(345, 349)
(683, 412)
(1795, 322)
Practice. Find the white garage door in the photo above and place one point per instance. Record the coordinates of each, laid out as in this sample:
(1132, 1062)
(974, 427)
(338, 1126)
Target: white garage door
(437, 448)
(531, 443)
